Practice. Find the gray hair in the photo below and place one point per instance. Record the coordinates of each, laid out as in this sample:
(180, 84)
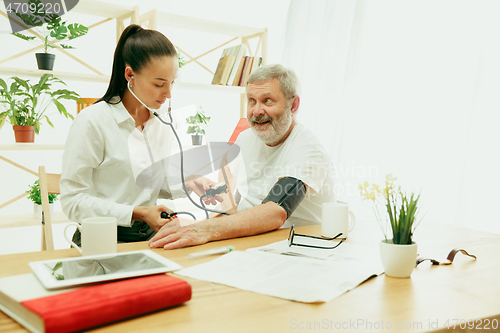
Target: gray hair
(289, 82)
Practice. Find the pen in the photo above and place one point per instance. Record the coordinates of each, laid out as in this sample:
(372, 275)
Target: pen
(217, 250)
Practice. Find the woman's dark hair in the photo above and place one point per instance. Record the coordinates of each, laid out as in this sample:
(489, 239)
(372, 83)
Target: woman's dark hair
(135, 48)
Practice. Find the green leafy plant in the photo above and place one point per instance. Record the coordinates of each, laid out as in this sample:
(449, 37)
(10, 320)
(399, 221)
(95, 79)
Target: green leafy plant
(402, 209)
(182, 62)
(49, 26)
(25, 104)
(196, 121)
(35, 195)
(54, 270)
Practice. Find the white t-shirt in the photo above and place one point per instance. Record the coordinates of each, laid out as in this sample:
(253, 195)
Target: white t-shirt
(301, 156)
(103, 158)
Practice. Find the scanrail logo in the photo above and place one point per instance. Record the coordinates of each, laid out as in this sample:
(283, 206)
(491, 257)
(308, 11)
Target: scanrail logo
(28, 14)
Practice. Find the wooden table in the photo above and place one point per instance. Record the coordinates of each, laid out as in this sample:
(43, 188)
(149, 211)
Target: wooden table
(433, 296)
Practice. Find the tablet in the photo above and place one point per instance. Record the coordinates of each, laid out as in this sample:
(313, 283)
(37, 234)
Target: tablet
(69, 272)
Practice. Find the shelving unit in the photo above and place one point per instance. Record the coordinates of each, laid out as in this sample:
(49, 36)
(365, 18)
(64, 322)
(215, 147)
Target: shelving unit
(152, 20)
(89, 7)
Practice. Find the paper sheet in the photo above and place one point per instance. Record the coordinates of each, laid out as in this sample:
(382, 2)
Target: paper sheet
(292, 277)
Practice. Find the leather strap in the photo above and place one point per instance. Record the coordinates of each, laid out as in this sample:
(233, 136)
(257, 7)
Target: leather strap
(450, 258)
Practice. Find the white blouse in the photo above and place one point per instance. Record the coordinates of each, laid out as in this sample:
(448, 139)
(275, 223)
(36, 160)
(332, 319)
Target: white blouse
(103, 160)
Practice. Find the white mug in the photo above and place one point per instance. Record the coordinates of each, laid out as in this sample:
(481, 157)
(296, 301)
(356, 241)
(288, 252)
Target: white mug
(98, 235)
(335, 220)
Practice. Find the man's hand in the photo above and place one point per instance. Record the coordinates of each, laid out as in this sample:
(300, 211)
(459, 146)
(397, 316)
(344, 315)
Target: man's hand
(199, 185)
(152, 215)
(180, 233)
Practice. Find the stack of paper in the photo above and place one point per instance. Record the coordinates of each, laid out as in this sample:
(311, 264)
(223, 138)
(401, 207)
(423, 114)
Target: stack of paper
(295, 273)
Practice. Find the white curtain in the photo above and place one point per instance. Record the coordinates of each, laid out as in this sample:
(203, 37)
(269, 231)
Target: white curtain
(409, 88)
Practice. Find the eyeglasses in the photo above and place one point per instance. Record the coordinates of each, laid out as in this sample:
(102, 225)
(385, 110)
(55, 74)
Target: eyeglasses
(292, 235)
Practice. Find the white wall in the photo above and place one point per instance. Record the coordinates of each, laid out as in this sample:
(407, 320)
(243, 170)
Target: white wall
(97, 49)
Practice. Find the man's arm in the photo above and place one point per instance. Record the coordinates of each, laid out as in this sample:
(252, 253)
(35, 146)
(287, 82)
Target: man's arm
(252, 221)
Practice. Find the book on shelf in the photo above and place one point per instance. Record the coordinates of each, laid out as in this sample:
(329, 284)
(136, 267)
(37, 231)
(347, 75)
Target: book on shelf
(249, 65)
(236, 79)
(223, 70)
(25, 300)
(227, 67)
(239, 53)
(257, 61)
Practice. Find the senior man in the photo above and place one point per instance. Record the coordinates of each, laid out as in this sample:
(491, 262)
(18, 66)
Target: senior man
(285, 174)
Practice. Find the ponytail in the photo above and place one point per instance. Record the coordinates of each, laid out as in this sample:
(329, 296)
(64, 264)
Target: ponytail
(135, 48)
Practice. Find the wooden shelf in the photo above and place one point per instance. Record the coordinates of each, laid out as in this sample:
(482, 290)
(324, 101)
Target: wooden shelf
(103, 9)
(211, 87)
(105, 79)
(28, 220)
(155, 18)
(31, 146)
(60, 75)
(191, 23)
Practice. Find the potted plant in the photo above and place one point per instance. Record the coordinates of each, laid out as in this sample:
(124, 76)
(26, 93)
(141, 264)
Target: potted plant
(182, 62)
(195, 129)
(50, 27)
(398, 254)
(25, 104)
(35, 196)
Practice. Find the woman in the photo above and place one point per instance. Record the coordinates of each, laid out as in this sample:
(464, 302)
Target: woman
(100, 164)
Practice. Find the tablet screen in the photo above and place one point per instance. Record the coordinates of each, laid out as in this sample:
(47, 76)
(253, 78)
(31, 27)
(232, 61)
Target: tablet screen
(67, 272)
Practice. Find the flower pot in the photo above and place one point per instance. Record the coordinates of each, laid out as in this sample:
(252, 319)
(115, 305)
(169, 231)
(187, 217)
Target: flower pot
(196, 140)
(37, 210)
(24, 133)
(398, 260)
(45, 60)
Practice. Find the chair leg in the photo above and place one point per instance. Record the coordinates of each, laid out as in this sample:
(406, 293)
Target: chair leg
(44, 242)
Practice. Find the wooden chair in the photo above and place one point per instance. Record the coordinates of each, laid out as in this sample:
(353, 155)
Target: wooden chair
(86, 102)
(49, 184)
(240, 127)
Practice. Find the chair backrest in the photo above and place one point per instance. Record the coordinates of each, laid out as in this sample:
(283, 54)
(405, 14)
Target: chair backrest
(49, 184)
(86, 102)
(240, 127)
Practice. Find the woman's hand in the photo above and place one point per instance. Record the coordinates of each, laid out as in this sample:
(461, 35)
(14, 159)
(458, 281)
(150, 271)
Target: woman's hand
(152, 216)
(199, 185)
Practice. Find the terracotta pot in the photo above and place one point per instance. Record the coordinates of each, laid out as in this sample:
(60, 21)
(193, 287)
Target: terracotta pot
(24, 133)
(45, 60)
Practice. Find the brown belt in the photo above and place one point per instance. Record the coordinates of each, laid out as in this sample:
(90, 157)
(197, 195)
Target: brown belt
(450, 258)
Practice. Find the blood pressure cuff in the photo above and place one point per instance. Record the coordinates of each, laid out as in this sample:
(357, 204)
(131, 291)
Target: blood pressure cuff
(288, 192)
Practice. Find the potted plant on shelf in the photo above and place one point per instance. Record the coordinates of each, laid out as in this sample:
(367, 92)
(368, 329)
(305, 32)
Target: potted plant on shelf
(50, 29)
(398, 254)
(35, 196)
(182, 62)
(195, 129)
(25, 104)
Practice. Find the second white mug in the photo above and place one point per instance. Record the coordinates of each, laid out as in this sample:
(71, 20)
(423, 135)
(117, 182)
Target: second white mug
(99, 235)
(335, 220)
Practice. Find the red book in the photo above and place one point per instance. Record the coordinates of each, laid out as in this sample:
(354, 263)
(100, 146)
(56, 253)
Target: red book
(244, 70)
(83, 308)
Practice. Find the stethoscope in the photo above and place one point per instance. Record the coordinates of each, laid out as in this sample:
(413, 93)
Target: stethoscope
(202, 206)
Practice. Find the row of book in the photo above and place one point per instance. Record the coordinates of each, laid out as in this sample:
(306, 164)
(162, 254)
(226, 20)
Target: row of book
(234, 67)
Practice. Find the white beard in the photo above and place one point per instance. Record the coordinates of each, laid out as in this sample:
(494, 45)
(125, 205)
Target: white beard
(276, 129)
